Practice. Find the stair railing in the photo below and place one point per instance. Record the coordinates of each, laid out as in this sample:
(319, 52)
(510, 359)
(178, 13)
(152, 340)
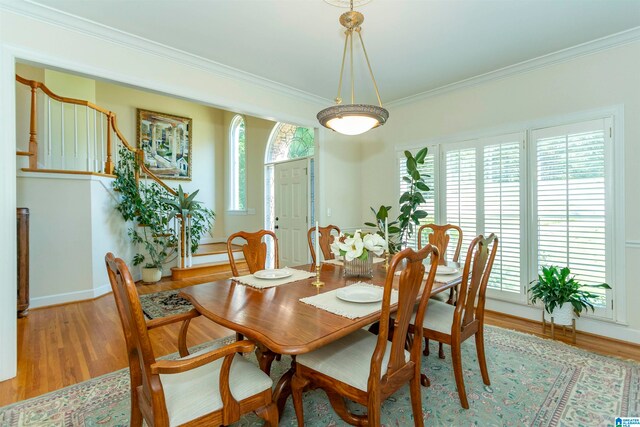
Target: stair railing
(98, 137)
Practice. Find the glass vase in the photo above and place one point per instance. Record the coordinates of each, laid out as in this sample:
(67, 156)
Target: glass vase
(359, 267)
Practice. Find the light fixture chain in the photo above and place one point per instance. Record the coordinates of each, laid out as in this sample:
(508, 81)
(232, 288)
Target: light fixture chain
(353, 91)
(375, 85)
(344, 55)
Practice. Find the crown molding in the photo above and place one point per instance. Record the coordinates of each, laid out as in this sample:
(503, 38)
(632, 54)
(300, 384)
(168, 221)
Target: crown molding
(32, 9)
(588, 48)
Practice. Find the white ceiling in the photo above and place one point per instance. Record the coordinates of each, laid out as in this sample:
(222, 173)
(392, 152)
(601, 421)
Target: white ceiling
(414, 46)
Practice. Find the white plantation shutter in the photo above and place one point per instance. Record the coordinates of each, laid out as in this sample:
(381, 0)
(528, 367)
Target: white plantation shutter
(502, 186)
(429, 168)
(571, 219)
(460, 201)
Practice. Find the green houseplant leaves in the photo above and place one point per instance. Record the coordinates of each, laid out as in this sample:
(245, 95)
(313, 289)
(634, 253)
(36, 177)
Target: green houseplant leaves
(555, 287)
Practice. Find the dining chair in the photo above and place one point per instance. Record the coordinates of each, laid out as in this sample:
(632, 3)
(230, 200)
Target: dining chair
(254, 250)
(210, 387)
(367, 368)
(440, 235)
(451, 324)
(326, 239)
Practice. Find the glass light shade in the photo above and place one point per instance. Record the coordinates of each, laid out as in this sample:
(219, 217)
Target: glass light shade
(353, 119)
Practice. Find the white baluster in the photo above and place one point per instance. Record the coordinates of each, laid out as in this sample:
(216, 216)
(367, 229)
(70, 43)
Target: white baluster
(75, 131)
(48, 161)
(95, 141)
(102, 154)
(62, 134)
(88, 144)
(189, 240)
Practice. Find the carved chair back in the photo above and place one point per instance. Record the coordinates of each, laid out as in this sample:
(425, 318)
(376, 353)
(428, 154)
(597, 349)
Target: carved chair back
(439, 236)
(475, 278)
(326, 239)
(254, 250)
(409, 286)
(139, 348)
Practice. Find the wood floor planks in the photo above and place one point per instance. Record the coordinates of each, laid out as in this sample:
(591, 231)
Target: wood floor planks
(62, 345)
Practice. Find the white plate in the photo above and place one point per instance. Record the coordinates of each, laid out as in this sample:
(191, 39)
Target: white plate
(279, 273)
(360, 294)
(444, 270)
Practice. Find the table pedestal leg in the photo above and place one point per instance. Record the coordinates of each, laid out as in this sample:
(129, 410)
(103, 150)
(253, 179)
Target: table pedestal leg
(283, 388)
(265, 358)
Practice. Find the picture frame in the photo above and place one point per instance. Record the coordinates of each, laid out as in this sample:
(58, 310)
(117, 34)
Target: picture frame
(166, 140)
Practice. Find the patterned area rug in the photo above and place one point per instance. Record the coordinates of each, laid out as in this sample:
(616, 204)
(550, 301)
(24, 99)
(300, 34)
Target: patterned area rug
(534, 382)
(165, 303)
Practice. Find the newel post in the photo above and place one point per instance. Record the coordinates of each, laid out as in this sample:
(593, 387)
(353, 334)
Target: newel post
(33, 131)
(108, 164)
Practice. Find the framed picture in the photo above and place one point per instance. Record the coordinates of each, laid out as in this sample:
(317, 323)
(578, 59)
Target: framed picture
(166, 141)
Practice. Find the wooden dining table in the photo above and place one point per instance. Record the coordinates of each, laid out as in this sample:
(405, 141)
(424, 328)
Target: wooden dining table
(276, 319)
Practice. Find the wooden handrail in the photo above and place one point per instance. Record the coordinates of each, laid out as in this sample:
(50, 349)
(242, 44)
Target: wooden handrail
(45, 89)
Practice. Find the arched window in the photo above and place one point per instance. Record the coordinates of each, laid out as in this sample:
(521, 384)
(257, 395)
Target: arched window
(237, 164)
(287, 142)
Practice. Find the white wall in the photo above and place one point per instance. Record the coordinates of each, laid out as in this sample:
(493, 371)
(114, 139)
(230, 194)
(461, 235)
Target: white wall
(73, 224)
(146, 66)
(604, 79)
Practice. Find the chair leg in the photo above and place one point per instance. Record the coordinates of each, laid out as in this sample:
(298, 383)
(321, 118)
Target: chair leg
(416, 402)
(426, 347)
(136, 416)
(373, 412)
(297, 386)
(482, 361)
(440, 351)
(269, 414)
(456, 359)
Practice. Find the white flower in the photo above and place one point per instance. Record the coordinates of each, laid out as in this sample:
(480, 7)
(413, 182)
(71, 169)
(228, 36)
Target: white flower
(374, 243)
(335, 245)
(352, 246)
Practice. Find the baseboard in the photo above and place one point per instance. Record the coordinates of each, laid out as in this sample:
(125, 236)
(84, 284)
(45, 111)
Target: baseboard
(68, 297)
(589, 325)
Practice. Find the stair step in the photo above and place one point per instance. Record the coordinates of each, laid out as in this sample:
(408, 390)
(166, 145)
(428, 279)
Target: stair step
(215, 248)
(199, 270)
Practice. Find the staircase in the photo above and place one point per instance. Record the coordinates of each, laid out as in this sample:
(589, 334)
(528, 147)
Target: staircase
(72, 136)
(210, 258)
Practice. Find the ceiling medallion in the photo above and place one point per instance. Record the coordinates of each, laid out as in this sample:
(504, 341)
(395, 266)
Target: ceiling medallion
(352, 119)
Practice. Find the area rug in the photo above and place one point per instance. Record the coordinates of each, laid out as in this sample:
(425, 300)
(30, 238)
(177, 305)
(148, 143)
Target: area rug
(534, 381)
(165, 303)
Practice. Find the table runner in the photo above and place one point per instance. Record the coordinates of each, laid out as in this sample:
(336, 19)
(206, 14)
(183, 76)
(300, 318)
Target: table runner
(441, 278)
(328, 301)
(254, 282)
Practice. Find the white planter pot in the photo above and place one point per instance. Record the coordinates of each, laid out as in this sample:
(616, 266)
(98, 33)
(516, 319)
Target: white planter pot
(563, 315)
(151, 275)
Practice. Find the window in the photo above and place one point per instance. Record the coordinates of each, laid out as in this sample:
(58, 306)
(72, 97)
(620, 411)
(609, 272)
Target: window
(483, 187)
(548, 193)
(238, 165)
(570, 215)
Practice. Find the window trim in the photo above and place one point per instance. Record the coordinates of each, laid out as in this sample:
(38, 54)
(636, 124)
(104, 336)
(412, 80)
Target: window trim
(234, 175)
(614, 203)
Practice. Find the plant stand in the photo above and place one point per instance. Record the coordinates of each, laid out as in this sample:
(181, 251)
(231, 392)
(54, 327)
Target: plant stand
(564, 328)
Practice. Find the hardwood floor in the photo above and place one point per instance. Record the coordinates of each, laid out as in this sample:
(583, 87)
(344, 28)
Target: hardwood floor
(63, 345)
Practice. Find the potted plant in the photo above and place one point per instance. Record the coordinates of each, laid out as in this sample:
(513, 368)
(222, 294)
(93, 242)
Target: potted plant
(356, 249)
(561, 294)
(200, 218)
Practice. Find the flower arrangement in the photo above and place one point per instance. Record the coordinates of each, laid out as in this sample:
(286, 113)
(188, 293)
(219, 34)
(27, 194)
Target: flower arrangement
(357, 245)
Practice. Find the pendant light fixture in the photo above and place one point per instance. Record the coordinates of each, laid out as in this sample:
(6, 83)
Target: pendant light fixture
(353, 119)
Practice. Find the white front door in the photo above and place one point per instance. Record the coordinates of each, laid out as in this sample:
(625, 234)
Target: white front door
(290, 207)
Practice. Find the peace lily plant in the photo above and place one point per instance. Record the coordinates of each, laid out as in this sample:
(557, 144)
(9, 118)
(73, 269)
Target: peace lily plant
(357, 246)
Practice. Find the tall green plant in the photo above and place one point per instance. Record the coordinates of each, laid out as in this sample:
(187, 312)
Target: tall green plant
(381, 215)
(410, 200)
(555, 288)
(187, 206)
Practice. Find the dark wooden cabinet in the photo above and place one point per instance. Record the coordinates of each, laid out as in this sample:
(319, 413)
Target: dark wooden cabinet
(22, 219)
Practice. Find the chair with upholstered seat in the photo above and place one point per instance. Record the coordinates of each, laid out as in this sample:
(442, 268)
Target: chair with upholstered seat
(439, 236)
(213, 386)
(327, 234)
(254, 250)
(454, 324)
(367, 368)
